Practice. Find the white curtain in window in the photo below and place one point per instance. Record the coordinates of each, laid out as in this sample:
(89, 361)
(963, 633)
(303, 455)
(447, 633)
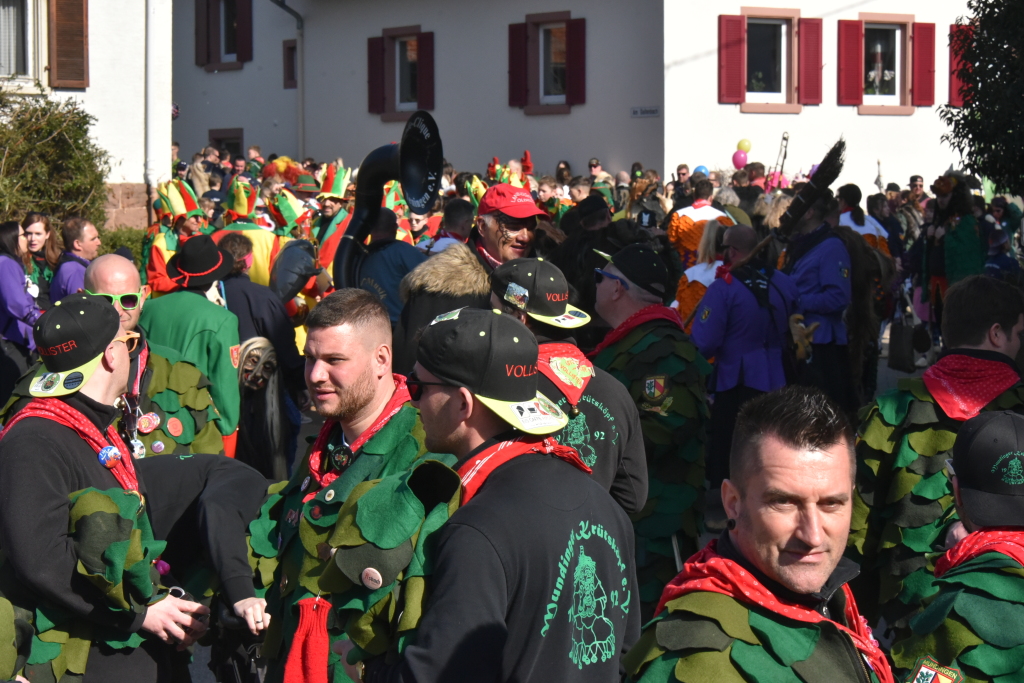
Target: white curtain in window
(12, 37)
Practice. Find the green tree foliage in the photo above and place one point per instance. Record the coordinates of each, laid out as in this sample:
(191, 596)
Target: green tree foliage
(123, 236)
(988, 131)
(48, 162)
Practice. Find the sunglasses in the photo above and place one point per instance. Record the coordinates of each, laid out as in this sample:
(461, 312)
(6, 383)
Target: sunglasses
(130, 339)
(600, 275)
(415, 386)
(128, 302)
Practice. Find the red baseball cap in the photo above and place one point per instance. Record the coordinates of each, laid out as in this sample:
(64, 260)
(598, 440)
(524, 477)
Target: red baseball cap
(516, 202)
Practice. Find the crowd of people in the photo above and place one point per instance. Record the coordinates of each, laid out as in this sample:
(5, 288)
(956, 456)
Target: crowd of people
(571, 427)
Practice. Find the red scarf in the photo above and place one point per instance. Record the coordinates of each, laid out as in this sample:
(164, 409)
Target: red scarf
(1007, 541)
(61, 413)
(140, 370)
(724, 272)
(710, 572)
(490, 260)
(477, 469)
(652, 312)
(441, 234)
(963, 385)
(324, 479)
(701, 203)
(571, 371)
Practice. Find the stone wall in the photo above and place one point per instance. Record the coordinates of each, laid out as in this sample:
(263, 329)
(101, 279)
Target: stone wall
(127, 205)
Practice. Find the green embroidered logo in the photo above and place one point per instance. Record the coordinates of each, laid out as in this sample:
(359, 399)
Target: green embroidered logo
(577, 435)
(593, 636)
(1013, 472)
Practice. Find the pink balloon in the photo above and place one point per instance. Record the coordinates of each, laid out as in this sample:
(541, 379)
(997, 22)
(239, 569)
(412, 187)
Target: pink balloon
(739, 159)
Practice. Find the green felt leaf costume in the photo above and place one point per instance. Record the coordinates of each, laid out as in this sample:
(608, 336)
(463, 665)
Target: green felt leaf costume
(666, 376)
(903, 503)
(706, 637)
(114, 543)
(974, 622)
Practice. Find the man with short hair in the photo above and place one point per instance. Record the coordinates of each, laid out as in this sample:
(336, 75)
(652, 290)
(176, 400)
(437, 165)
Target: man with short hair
(768, 600)
(81, 245)
(747, 193)
(370, 432)
(595, 167)
(756, 172)
(531, 578)
(650, 354)
(604, 425)
(902, 497)
(579, 188)
(974, 616)
(686, 225)
(682, 173)
(456, 226)
(387, 261)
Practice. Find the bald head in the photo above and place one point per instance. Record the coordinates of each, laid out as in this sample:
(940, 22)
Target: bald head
(113, 274)
(742, 238)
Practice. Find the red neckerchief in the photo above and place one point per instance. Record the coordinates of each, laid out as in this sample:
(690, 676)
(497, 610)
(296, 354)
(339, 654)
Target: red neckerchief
(1007, 541)
(708, 571)
(61, 413)
(571, 371)
(724, 272)
(491, 261)
(441, 234)
(652, 312)
(701, 203)
(963, 385)
(324, 479)
(474, 472)
(143, 358)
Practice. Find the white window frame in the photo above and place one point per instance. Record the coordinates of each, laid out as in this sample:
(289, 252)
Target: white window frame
(784, 55)
(35, 51)
(399, 104)
(542, 43)
(896, 98)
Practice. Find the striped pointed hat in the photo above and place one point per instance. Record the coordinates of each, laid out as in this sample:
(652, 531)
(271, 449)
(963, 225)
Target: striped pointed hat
(336, 181)
(241, 200)
(288, 210)
(179, 199)
(393, 195)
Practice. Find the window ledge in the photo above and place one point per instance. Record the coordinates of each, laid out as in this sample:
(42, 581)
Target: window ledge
(546, 109)
(884, 110)
(396, 116)
(223, 66)
(770, 108)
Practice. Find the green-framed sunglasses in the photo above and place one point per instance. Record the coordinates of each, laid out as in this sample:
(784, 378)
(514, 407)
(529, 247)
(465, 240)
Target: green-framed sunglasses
(128, 302)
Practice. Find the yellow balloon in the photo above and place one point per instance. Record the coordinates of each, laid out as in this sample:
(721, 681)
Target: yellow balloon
(743, 145)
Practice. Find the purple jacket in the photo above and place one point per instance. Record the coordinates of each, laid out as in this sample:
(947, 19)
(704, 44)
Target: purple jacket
(69, 278)
(823, 277)
(17, 308)
(745, 339)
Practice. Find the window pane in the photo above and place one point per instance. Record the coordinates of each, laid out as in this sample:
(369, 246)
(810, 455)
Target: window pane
(880, 61)
(12, 37)
(553, 54)
(228, 23)
(764, 57)
(407, 62)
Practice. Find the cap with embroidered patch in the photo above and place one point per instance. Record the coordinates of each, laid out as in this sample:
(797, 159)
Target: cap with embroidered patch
(494, 356)
(988, 461)
(515, 202)
(71, 338)
(539, 289)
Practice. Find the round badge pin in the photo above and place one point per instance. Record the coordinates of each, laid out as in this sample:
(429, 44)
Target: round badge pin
(157, 447)
(372, 579)
(108, 456)
(174, 427)
(329, 496)
(138, 448)
(148, 422)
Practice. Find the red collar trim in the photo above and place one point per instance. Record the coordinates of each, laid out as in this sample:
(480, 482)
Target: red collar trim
(478, 468)
(701, 203)
(652, 312)
(1007, 541)
(963, 385)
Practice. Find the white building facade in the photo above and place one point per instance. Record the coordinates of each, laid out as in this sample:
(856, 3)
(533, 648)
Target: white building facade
(659, 82)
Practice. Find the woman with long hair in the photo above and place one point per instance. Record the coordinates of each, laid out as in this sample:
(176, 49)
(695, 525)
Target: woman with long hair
(42, 255)
(852, 216)
(563, 174)
(18, 310)
(697, 278)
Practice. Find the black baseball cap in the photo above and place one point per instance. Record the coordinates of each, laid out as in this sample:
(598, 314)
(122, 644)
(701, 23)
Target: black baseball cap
(892, 187)
(539, 289)
(988, 461)
(495, 357)
(71, 338)
(594, 161)
(643, 267)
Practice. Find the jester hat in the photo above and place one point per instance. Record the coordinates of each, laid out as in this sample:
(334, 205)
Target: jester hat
(393, 195)
(336, 181)
(288, 210)
(241, 200)
(179, 199)
(305, 183)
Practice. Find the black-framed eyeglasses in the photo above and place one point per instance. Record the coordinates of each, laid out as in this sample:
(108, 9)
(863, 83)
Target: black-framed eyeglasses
(415, 386)
(128, 302)
(600, 275)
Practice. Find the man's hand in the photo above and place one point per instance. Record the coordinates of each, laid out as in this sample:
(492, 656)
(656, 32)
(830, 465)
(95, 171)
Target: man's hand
(169, 619)
(253, 611)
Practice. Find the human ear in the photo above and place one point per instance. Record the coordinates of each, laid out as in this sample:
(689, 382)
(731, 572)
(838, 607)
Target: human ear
(731, 499)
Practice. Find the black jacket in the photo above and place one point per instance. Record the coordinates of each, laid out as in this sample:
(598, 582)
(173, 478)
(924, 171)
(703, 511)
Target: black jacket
(532, 575)
(607, 436)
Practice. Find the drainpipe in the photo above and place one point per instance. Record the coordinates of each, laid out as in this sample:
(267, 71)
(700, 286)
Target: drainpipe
(300, 78)
(159, 17)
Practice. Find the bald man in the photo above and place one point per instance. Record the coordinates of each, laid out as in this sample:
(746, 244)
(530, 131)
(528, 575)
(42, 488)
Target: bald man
(742, 322)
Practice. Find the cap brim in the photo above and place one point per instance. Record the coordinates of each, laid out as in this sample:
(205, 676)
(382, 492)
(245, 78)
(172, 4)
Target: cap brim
(992, 509)
(536, 416)
(226, 266)
(572, 318)
(521, 210)
(48, 384)
(606, 257)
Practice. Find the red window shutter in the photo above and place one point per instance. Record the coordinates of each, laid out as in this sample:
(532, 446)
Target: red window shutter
(202, 33)
(732, 58)
(425, 70)
(957, 34)
(922, 84)
(810, 64)
(375, 74)
(243, 30)
(517, 81)
(576, 61)
(850, 85)
(69, 43)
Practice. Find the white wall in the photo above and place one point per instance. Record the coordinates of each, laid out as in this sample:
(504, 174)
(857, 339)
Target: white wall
(471, 83)
(698, 130)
